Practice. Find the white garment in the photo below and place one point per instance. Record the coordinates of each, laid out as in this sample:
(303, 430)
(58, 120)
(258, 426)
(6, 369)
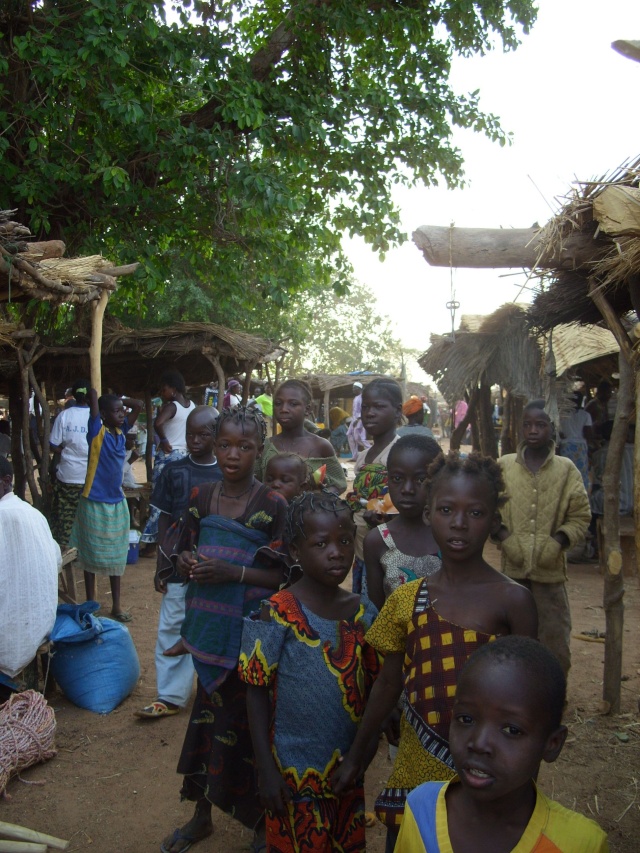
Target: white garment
(69, 432)
(29, 582)
(174, 675)
(175, 429)
(572, 426)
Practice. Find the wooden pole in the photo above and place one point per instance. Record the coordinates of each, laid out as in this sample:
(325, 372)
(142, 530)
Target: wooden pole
(15, 416)
(148, 453)
(611, 555)
(98, 308)
(327, 402)
(457, 434)
(23, 360)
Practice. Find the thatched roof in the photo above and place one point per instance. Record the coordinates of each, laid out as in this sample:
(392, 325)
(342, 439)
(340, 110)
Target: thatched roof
(339, 383)
(502, 352)
(132, 360)
(607, 211)
(577, 345)
(30, 270)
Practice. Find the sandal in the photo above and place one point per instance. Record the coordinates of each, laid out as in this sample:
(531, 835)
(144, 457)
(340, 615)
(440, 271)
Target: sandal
(156, 710)
(122, 617)
(179, 835)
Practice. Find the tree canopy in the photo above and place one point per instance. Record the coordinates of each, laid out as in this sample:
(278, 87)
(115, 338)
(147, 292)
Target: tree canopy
(237, 139)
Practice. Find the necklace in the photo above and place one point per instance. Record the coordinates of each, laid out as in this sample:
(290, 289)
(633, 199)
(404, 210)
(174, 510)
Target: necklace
(223, 494)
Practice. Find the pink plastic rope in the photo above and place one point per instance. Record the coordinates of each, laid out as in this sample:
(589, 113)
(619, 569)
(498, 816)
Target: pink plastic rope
(27, 731)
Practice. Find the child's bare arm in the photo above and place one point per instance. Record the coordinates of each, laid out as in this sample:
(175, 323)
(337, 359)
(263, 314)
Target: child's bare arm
(382, 701)
(373, 547)
(92, 399)
(274, 793)
(136, 408)
(522, 614)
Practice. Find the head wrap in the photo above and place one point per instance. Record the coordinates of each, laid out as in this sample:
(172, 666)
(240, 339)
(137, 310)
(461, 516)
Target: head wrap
(357, 384)
(413, 405)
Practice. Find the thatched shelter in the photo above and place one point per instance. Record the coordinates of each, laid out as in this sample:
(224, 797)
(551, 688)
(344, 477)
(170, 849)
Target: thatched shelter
(587, 259)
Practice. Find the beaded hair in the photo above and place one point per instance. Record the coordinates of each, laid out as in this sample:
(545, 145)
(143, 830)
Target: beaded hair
(243, 415)
(309, 502)
(474, 465)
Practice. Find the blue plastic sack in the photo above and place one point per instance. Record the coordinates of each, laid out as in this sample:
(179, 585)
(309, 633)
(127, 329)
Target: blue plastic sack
(94, 659)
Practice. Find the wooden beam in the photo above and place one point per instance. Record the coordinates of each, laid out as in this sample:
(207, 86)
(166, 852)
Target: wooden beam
(95, 348)
(499, 248)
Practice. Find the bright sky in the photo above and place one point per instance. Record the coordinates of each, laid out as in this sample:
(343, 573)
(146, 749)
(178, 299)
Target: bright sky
(570, 102)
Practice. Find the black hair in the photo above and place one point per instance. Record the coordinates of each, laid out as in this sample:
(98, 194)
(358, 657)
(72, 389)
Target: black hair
(293, 457)
(423, 443)
(474, 465)
(385, 387)
(535, 404)
(243, 415)
(298, 384)
(107, 400)
(173, 379)
(80, 389)
(213, 416)
(5, 427)
(324, 433)
(6, 468)
(542, 667)
(309, 502)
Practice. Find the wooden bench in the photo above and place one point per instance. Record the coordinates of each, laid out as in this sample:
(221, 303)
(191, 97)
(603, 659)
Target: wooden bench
(67, 584)
(627, 544)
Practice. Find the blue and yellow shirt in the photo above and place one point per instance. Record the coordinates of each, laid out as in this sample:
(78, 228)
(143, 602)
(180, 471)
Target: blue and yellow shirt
(106, 458)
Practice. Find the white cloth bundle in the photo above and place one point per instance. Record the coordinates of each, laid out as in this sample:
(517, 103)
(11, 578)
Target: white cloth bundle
(29, 564)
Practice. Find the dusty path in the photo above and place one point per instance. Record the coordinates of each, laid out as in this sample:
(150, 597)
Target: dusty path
(113, 786)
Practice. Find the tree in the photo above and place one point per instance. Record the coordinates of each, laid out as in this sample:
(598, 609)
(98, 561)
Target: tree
(242, 138)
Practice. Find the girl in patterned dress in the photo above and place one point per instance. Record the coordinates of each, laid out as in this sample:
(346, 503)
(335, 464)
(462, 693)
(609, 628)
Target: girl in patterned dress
(403, 549)
(429, 627)
(309, 672)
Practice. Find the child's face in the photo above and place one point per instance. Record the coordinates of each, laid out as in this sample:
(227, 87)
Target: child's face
(408, 484)
(536, 428)
(113, 416)
(499, 732)
(200, 437)
(326, 551)
(284, 476)
(462, 514)
(237, 451)
(379, 415)
(290, 408)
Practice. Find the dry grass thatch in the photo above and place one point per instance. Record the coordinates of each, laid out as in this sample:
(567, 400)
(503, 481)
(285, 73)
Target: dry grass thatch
(340, 383)
(564, 294)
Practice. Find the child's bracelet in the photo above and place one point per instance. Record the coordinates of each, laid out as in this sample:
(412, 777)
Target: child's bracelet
(242, 575)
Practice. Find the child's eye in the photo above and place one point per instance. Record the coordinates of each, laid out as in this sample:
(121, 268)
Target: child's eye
(476, 513)
(512, 731)
(464, 719)
(444, 509)
(320, 544)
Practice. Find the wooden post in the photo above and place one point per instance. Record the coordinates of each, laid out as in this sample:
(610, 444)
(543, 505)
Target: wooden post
(95, 347)
(41, 397)
(457, 434)
(148, 453)
(220, 377)
(15, 416)
(327, 402)
(611, 555)
(486, 432)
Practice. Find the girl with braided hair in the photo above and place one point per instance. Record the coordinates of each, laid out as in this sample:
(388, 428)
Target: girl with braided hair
(227, 549)
(305, 652)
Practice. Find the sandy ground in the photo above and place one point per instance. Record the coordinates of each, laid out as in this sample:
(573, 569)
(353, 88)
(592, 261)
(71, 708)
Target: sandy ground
(113, 788)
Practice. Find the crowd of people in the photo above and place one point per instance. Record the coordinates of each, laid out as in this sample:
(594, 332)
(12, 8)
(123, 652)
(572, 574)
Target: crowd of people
(299, 671)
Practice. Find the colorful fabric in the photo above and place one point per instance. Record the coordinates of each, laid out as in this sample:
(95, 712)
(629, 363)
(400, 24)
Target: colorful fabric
(160, 461)
(411, 406)
(63, 510)
(339, 669)
(435, 650)
(217, 756)
(334, 476)
(540, 505)
(399, 568)
(551, 828)
(106, 458)
(101, 534)
(212, 629)
(265, 402)
(577, 451)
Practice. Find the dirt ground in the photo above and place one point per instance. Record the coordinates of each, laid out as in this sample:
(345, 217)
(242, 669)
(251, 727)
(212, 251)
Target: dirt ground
(113, 788)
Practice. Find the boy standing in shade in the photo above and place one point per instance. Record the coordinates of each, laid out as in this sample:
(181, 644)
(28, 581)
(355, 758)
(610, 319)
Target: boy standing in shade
(546, 514)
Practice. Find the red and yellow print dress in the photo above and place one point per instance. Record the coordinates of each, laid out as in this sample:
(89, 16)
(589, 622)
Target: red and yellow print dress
(434, 652)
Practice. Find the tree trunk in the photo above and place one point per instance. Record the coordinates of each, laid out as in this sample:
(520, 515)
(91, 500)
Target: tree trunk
(611, 555)
(15, 416)
(148, 453)
(486, 432)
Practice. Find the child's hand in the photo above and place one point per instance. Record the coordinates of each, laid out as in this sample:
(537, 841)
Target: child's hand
(274, 793)
(214, 571)
(185, 562)
(344, 776)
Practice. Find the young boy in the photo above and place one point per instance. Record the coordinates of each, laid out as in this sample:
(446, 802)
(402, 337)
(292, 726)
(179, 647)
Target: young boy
(547, 513)
(174, 674)
(506, 719)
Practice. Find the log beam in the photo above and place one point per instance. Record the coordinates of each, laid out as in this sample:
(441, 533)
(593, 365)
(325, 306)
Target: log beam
(490, 248)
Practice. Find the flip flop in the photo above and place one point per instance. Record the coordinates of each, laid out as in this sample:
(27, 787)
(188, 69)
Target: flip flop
(178, 835)
(122, 617)
(156, 710)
